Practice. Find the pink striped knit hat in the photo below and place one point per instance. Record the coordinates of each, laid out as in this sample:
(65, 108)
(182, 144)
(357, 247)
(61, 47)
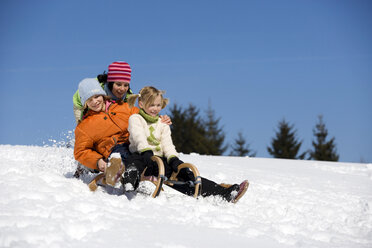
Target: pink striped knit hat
(119, 71)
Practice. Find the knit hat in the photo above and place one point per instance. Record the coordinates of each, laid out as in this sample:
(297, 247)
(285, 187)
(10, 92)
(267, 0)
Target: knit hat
(89, 87)
(119, 71)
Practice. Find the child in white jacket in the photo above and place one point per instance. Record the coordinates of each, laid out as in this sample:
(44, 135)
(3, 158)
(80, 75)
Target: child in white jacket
(148, 136)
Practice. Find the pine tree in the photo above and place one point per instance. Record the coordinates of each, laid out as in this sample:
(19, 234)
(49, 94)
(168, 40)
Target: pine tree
(285, 144)
(178, 118)
(196, 137)
(214, 134)
(323, 150)
(188, 132)
(240, 148)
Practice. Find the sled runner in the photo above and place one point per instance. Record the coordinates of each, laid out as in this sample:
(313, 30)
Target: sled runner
(93, 184)
(111, 175)
(161, 179)
(157, 181)
(196, 184)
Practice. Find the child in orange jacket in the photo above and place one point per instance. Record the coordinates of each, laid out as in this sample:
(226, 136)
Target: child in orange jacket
(103, 132)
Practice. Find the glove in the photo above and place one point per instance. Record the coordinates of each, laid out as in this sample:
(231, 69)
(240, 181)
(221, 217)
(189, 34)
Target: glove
(174, 162)
(148, 161)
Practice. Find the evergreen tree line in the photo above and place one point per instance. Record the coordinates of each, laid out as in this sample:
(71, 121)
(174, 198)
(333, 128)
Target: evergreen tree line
(203, 134)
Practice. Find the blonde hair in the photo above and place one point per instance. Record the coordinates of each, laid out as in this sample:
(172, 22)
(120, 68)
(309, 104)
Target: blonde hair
(147, 96)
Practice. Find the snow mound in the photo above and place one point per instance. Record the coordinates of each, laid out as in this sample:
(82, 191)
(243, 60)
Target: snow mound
(289, 203)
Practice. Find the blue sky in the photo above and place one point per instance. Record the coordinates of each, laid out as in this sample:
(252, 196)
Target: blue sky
(257, 62)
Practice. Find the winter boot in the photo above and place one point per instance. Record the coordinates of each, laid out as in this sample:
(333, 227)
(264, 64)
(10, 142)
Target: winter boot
(80, 171)
(131, 178)
(236, 195)
(114, 170)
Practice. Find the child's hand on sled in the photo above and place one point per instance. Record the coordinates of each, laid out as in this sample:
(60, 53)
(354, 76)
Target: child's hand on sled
(101, 165)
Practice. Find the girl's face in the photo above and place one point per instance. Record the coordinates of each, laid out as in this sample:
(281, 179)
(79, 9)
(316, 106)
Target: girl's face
(120, 88)
(95, 103)
(154, 108)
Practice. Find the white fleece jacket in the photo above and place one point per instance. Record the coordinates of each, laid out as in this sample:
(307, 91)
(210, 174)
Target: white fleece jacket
(150, 136)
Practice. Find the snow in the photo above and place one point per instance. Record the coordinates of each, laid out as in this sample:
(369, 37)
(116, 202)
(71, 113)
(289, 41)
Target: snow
(289, 203)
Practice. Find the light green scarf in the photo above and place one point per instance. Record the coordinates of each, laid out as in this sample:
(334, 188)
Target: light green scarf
(152, 119)
(147, 117)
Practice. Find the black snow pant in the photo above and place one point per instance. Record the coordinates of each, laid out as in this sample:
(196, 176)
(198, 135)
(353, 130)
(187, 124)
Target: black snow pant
(209, 188)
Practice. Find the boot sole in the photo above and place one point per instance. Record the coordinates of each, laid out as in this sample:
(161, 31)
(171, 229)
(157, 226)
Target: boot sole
(241, 192)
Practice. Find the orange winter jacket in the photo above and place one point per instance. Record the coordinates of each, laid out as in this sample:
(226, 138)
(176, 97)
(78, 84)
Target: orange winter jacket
(99, 132)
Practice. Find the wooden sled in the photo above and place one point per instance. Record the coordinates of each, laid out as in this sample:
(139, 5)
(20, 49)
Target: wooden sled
(197, 183)
(110, 176)
(93, 184)
(157, 181)
(225, 185)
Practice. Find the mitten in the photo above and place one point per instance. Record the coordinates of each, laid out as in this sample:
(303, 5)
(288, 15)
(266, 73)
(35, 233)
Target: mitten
(174, 162)
(148, 161)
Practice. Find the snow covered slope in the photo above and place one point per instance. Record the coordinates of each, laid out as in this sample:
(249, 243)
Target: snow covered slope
(289, 203)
